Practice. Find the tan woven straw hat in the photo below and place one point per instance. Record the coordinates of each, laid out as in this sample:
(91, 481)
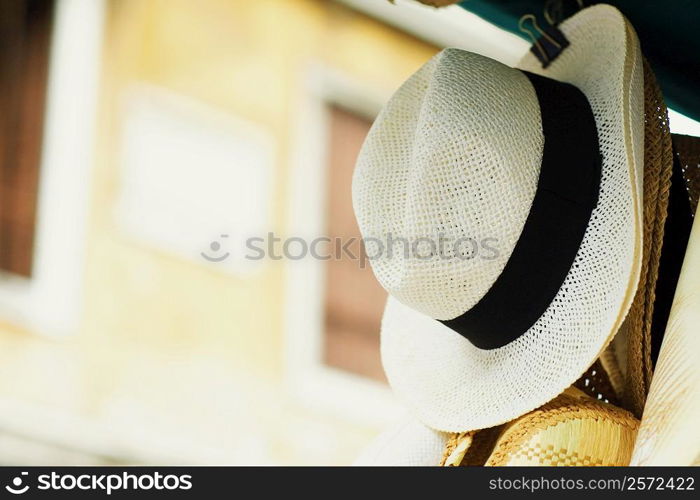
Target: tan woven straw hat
(571, 430)
(459, 154)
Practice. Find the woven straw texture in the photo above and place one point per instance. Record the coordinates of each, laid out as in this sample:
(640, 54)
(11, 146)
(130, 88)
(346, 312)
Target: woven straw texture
(669, 431)
(441, 161)
(472, 448)
(611, 367)
(658, 161)
(456, 152)
(571, 430)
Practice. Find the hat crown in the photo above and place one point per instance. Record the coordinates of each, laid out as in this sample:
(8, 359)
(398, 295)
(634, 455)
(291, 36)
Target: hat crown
(445, 180)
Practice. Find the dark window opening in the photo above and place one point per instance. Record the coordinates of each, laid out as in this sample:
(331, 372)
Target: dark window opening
(25, 32)
(354, 299)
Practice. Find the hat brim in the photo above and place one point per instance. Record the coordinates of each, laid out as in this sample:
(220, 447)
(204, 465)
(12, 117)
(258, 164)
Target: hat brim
(451, 385)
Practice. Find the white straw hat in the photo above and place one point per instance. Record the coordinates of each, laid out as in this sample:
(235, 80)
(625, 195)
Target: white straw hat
(406, 443)
(459, 155)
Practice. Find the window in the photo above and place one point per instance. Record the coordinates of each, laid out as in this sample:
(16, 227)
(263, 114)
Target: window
(25, 29)
(354, 300)
(46, 147)
(333, 307)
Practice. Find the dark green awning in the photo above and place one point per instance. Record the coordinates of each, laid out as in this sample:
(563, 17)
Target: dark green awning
(669, 32)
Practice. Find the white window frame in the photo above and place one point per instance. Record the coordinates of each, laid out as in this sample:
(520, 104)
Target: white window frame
(317, 385)
(50, 301)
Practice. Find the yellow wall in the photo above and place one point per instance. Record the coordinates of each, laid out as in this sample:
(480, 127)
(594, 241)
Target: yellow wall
(173, 357)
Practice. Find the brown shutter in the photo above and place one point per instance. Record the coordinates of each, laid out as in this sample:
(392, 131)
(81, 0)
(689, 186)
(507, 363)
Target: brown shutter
(354, 299)
(25, 27)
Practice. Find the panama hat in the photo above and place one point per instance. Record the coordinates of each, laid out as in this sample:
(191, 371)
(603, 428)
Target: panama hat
(571, 430)
(537, 173)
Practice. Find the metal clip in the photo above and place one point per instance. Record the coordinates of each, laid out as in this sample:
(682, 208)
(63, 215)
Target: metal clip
(544, 57)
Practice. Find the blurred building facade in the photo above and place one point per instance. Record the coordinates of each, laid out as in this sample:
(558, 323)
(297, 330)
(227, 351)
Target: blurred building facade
(215, 120)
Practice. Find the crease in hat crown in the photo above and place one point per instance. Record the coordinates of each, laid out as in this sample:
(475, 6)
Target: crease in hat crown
(454, 155)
